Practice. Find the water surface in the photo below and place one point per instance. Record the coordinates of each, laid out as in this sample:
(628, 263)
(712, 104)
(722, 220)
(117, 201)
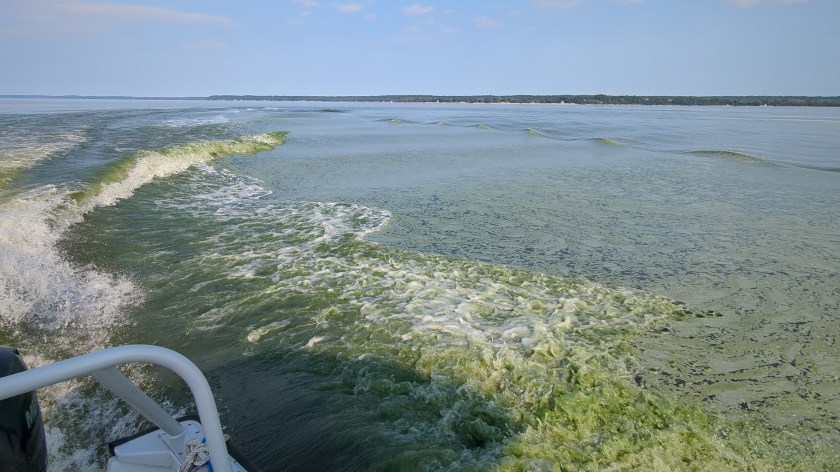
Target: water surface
(429, 286)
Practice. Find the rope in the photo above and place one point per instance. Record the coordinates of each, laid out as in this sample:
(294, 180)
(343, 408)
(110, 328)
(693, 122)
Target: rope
(197, 455)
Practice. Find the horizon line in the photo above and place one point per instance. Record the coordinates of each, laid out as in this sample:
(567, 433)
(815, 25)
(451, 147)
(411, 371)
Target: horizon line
(77, 95)
(579, 99)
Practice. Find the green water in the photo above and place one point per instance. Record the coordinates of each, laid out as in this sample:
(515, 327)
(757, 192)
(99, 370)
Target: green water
(421, 359)
(413, 297)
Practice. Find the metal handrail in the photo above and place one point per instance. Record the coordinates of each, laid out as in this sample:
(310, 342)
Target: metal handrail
(101, 364)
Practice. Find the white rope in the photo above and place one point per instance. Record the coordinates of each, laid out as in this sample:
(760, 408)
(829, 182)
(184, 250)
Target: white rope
(197, 455)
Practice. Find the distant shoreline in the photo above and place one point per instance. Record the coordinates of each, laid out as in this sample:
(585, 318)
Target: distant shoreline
(562, 99)
(678, 100)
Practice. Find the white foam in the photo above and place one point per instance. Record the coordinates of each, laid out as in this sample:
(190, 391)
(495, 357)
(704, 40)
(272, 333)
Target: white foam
(42, 290)
(23, 148)
(190, 122)
(315, 340)
(150, 166)
(258, 334)
(77, 409)
(73, 307)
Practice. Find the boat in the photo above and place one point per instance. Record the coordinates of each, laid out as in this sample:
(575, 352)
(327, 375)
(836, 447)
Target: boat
(190, 444)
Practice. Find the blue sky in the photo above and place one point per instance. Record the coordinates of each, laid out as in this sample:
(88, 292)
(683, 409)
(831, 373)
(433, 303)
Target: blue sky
(375, 47)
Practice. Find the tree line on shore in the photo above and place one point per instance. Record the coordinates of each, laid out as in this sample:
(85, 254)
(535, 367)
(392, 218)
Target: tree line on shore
(561, 99)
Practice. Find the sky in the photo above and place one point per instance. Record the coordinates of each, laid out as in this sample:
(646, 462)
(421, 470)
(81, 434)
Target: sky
(180, 48)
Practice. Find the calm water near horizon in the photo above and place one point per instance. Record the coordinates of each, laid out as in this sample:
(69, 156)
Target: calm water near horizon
(438, 286)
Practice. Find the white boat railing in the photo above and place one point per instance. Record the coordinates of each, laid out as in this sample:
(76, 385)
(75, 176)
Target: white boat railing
(102, 365)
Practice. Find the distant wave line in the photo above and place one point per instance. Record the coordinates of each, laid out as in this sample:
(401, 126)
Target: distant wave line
(726, 153)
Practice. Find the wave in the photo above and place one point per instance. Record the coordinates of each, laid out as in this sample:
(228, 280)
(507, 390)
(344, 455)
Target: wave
(820, 168)
(121, 178)
(9, 174)
(534, 132)
(52, 307)
(807, 166)
(394, 121)
(726, 153)
(21, 149)
(751, 158)
(41, 290)
(607, 141)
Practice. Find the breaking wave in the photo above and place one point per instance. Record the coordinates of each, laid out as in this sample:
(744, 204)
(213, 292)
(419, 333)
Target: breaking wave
(121, 178)
(44, 295)
(39, 288)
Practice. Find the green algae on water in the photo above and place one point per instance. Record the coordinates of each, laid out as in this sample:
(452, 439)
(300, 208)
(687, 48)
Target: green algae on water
(517, 370)
(139, 168)
(441, 362)
(8, 175)
(607, 141)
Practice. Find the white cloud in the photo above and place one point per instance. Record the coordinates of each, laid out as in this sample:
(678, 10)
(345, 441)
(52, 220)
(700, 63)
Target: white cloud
(487, 22)
(307, 3)
(348, 7)
(62, 18)
(417, 9)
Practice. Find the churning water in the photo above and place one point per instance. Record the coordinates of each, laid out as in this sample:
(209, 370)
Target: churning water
(438, 287)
